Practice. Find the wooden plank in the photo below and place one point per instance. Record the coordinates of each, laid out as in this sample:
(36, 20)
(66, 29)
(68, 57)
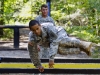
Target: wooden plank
(57, 60)
(52, 71)
(13, 26)
(57, 65)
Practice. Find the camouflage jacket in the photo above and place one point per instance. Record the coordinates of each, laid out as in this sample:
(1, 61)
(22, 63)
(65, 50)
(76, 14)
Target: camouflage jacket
(41, 19)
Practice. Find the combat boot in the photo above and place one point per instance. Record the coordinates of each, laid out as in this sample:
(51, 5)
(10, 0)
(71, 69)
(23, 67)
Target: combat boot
(85, 47)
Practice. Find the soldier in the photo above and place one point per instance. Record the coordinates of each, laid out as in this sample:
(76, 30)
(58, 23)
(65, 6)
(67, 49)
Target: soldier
(44, 18)
(51, 39)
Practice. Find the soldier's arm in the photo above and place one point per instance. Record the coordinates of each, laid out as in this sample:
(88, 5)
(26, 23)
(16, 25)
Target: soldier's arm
(33, 52)
(52, 33)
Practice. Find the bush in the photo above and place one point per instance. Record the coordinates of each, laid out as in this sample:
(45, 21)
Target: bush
(84, 33)
(7, 34)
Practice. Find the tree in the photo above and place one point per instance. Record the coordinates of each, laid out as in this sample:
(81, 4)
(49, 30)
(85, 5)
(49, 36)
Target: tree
(1, 15)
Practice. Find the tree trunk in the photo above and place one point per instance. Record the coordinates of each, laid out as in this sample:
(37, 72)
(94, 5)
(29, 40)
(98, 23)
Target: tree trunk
(1, 16)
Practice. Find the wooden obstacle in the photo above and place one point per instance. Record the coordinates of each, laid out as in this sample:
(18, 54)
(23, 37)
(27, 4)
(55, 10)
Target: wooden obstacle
(62, 66)
(16, 32)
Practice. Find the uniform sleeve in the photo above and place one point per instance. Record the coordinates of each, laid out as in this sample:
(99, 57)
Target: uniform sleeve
(33, 52)
(53, 50)
(31, 36)
(52, 33)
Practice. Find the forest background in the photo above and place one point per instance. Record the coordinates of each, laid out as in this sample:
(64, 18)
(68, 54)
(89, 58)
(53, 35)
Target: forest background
(80, 18)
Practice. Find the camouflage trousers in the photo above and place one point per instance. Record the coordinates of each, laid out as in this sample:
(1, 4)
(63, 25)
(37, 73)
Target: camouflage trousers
(69, 46)
(66, 45)
(44, 52)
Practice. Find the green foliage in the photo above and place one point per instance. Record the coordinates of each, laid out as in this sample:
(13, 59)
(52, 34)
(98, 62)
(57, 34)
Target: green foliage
(8, 34)
(24, 10)
(21, 10)
(84, 33)
(96, 53)
(95, 4)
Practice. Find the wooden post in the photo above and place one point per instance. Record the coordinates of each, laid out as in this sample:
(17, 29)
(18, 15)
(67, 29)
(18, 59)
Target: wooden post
(49, 6)
(16, 37)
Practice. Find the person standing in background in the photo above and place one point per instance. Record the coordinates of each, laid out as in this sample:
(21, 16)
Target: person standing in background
(44, 18)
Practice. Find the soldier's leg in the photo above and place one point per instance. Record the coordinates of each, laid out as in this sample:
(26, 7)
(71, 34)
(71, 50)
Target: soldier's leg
(70, 42)
(67, 50)
(63, 48)
(45, 52)
(73, 42)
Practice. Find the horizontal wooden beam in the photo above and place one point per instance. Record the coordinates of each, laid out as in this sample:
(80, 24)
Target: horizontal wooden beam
(57, 60)
(57, 65)
(13, 26)
(52, 71)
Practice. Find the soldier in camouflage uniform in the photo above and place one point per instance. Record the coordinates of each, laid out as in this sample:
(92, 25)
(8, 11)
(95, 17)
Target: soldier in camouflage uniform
(44, 18)
(50, 40)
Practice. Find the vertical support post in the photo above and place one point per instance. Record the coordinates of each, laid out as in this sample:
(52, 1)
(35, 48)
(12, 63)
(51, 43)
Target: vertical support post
(49, 6)
(1, 16)
(0, 59)
(16, 37)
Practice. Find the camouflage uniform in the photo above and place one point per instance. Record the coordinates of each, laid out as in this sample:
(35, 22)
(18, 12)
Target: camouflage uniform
(53, 40)
(49, 20)
(41, 19)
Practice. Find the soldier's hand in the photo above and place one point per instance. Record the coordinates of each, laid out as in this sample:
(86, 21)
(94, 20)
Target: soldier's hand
(51, 63)
(41, 68)
(30, 43)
